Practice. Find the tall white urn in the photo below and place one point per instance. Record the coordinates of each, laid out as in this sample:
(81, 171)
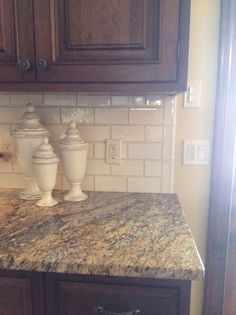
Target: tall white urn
(27, 137)
(74, 159)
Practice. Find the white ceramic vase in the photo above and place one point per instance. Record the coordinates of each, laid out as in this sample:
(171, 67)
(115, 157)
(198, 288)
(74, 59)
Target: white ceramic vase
(74, 159)
(27, 137)
(45, 166)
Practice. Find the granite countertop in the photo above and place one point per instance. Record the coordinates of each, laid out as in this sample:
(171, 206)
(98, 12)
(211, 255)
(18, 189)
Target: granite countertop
(118, 234)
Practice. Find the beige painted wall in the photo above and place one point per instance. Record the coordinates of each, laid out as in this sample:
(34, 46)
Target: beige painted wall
(191, 183)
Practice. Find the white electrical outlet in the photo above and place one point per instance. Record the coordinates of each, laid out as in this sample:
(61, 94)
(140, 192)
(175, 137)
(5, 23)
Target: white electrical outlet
(113, 151)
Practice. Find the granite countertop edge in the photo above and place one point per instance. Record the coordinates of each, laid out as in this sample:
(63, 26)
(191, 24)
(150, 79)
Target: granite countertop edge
(51, 239)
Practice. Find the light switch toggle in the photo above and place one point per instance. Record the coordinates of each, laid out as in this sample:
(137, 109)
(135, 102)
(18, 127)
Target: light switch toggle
(196, 152)
(193, 95)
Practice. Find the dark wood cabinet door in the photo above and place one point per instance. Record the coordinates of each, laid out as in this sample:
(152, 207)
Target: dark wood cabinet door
(72, 297)
(111, 43)
(21, 293)
(16, 40)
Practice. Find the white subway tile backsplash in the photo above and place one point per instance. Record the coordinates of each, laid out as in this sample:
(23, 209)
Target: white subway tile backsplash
(78, 115)
(11, 115)
(95, 133)
(144, 123)
(128, 167)
(49, 115)
(128, 133)
(4, 99)
(97, 167)
(98, 100)
(154, 134)
(146, 116)
(59, 99)
(110, 183)
(154, 101)
(145, 151)
(144, 184)
(120, 100)
(100, 150)
(153, 168)
(169, 111)
(111, 116)
(167, 177)
(168, 143)
(87, 184)
(22, 99)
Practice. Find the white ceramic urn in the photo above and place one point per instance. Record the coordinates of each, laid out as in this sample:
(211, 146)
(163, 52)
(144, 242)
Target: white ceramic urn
(45, 166)
(74, 159)
(27, 137)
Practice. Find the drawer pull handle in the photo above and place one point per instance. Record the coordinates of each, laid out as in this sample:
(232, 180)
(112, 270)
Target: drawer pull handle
(24, 64)
(99, 309)
(41, 64)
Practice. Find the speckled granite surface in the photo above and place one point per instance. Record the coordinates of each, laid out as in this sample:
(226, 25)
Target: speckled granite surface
(120, 234)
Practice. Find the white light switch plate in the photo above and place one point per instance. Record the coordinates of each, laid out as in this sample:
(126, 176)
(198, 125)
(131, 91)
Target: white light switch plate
(192, 97)
(196, 152)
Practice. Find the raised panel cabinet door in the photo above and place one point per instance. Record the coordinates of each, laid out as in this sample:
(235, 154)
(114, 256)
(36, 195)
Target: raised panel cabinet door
(67, 295)
(16, 41)
(111, 41)
(21, 293)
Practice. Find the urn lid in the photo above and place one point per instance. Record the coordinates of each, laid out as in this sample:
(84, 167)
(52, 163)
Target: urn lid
(30, 124)
(72, 138)
(45, 154)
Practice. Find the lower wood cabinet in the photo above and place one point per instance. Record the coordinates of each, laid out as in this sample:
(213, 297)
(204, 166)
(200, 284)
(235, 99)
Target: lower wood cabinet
(64, 294)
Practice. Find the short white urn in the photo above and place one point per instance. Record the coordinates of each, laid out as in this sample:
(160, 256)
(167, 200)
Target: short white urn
(27, 137)
(74, 159)
(45, 163)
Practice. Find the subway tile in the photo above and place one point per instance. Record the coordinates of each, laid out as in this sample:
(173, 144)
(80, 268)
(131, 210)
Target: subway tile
(94, 100)
(153, 168)
(110, 183)
(111, 116)
(100, 150)
(146, 116)
(94, 133)
(78, 115)
(49, 115)
(10, 180)
(167, 177)
(97, 167)
(128, 167)
(59, 99)
(154, 100)
(87, 183)
(119, 100)
(11, 115)
(154, 134)
(168, 143)
(169, 110)
(144, 184)
(128, 133)
(22, 99)
(56, 132)
(4, 99)
(90, 150)
(5, 131)
(145, 151)
(58, 185)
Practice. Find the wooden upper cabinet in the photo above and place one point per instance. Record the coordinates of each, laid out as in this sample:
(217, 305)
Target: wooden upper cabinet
(116, 45)
(16, 41)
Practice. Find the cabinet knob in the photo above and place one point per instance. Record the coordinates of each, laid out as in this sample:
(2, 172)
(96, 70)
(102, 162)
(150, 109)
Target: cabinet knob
(41, 64)
(24, 64)
(100, 309)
